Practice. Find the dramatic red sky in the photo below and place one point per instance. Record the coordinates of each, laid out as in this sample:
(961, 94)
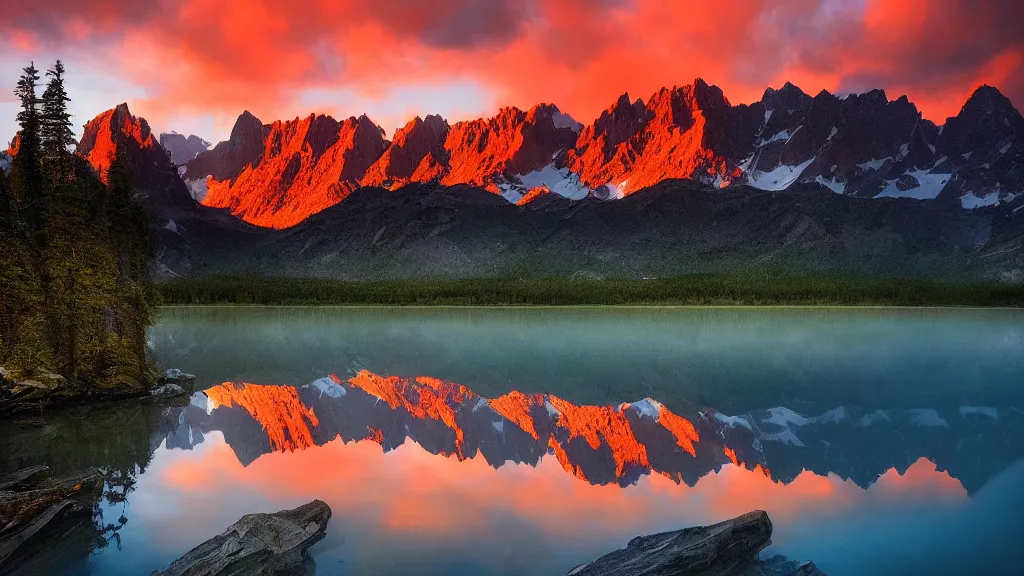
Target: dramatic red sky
(194, 65)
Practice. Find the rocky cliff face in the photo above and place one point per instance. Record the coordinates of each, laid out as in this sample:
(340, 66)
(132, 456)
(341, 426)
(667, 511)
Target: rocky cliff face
(417, 154)
(860, 145)
(305, 165)
(227, 159)
(684, 132)
(183, 149)
(509, 153)
(156, 179)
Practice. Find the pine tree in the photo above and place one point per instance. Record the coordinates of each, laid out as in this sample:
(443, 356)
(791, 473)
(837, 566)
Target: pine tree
(55, 124)
(27, 180)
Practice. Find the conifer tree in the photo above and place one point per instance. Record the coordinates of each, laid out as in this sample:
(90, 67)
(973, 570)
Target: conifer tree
(26, 169)
(55, 123)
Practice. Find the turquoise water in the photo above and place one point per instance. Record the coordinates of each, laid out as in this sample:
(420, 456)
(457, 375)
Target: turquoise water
(880, 441)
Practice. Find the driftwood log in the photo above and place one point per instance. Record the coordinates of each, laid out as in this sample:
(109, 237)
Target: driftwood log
(728, 548)
(257, 545)
(37, 511)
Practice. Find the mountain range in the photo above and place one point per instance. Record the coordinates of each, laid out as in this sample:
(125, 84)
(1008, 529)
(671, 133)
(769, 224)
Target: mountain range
(854, 183)
(861, 145)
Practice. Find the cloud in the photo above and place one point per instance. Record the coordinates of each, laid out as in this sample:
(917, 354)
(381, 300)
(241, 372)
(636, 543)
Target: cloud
(218, 57)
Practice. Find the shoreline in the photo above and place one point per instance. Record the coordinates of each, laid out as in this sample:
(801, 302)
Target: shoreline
(708, 291)
(614, 306)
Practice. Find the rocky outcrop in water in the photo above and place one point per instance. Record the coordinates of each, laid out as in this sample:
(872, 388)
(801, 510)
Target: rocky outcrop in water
(257, 545)
(728, 548)
(41, 389)
(38, 511)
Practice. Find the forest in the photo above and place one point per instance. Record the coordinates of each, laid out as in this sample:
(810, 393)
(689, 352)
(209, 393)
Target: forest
(75, 290)
(743, 288)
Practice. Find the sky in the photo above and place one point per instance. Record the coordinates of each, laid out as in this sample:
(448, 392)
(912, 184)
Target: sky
(194, 65)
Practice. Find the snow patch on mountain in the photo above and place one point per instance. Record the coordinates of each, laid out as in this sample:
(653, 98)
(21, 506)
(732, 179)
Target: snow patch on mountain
(970, 201)
(783, 135)
(833, 185)
(558, 180)
(873, 164)
(198, 188)
(929, 185)
(778, 179)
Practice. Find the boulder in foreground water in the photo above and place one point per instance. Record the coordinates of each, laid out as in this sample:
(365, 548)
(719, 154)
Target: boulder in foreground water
(728, 548)
(257, 545)
(38, 511)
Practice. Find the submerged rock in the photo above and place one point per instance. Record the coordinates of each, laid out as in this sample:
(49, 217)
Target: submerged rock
(727, 548)
(257, 545)
(782, 566)
(176, 377)
(167, 391)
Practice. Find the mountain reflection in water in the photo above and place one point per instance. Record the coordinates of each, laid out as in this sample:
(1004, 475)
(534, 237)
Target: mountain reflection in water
(529, 483)
(425, 476)
(598, 444)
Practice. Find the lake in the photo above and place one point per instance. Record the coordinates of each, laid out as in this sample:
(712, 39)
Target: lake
(530, 440)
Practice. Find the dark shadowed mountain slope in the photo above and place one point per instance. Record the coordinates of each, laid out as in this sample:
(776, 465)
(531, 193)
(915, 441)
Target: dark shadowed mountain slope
(676, 227)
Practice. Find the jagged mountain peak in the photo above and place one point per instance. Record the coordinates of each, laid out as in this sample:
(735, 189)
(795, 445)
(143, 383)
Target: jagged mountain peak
(155, 177)
(787, 91)
(181, 148)
(363, 122)
(857, 144)
(551, 113)
(987, 97)
(245, 123)
(111, 129)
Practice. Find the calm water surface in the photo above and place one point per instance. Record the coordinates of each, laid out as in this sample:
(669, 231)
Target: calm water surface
(527, 441)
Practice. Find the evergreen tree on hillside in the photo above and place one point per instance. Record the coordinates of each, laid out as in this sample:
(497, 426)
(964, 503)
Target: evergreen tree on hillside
(76, 296)
(55, 123)
(22, 335)
(26, 171)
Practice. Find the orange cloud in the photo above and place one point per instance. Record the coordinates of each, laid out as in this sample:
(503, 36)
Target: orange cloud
(221, 56)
